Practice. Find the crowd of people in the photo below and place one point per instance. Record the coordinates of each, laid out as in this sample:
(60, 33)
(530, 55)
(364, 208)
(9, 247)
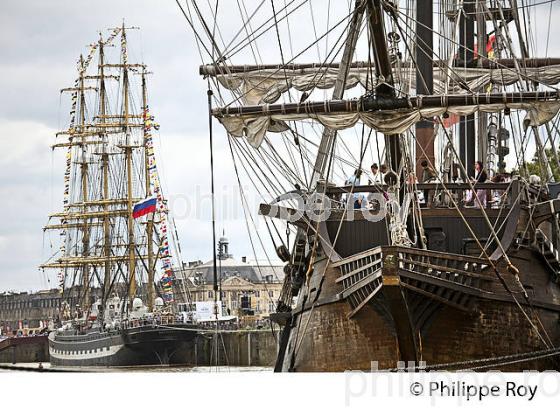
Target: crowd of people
(377, 177)
(381, 175)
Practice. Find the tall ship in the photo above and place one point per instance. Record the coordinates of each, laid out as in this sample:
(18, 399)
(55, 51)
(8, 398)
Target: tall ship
(406, 158)
(116, 234)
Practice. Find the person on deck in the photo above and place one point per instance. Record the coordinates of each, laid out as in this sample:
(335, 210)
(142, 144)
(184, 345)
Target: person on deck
(383, 169)
(428, 173)
(479, 172)
(354, 180)
(376, 177)
(498, 195)
(480, 177)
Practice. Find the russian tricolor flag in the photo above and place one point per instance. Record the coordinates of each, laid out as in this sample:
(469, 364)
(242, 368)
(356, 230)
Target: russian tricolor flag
(144, 207)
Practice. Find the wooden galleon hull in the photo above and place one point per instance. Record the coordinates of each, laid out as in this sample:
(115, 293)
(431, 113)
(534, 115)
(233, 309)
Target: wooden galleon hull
(392, 304)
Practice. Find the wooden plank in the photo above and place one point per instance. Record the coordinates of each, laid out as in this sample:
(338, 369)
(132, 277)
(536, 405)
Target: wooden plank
(442, 255)
(449, 269)
(369, 252)
(364, 302)
(443, 282)
(357, 270)
(360, 284)
(433, 296)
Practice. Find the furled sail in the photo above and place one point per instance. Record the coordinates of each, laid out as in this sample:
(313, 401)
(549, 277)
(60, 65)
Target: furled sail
(392, 116)
(266, 86)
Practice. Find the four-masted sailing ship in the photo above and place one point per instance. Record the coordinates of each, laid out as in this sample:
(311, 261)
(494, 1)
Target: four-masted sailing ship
(115, 259)
(461, 270)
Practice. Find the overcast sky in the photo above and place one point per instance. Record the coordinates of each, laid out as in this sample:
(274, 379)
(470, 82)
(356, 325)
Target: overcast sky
(39, 44)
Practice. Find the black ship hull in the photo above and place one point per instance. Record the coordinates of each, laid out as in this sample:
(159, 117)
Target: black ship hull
(139, 346)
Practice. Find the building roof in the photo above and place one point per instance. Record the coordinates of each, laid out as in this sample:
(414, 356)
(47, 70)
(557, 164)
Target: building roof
(230, 267)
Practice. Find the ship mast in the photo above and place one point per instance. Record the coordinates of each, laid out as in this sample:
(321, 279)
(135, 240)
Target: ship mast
(128, 158)
(97, 218)
(424, 81)
(329, 135)
(105, 176)
(384, 73)
(466, 54)
(150, 222)
(393, 294)
(84, 181)
(483, 125)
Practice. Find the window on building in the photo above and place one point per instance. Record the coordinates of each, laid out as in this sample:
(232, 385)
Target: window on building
(257, 294)
(245, 302)
(210, 294)
(271, 293)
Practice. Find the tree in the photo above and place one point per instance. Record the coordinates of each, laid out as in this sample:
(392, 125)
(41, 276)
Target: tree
(535, 167)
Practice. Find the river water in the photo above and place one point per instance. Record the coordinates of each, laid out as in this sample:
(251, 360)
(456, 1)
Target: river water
(8, 367)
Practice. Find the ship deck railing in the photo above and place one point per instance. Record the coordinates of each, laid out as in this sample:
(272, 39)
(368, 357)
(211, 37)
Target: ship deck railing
(130, 324)
(448, 195)
(61, 337)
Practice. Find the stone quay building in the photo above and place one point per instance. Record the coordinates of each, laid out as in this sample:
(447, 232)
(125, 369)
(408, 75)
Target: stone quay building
(248, 290)
(28, 310)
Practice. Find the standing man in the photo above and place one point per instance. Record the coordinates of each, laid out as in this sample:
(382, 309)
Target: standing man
(376, 177)
(354, 180)
(428, 173)
(383, 170)
(480, 176)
